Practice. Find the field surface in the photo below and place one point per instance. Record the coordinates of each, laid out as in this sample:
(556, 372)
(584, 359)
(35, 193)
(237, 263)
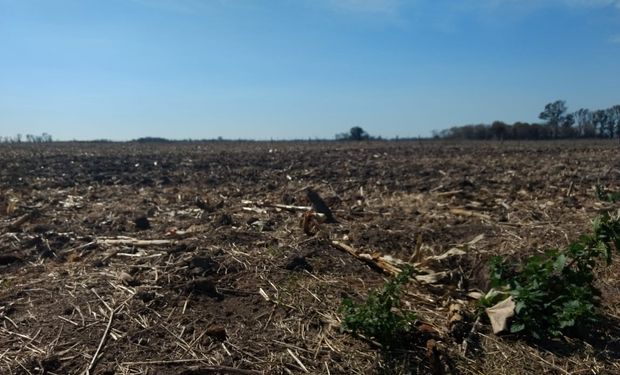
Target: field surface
(201, 259)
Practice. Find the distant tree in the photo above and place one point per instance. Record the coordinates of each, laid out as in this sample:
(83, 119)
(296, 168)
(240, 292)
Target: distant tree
(540, 131)
(462, 132)
(499, 130)
(613, 121)
(151, 140)
(520, 130)
(583, 119)
(355, 134)
(358, 134)
(600, 119)
(482, 132)
(566, 126)
(554, 115)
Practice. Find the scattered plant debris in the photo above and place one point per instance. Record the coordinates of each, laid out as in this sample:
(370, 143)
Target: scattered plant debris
(206, 289)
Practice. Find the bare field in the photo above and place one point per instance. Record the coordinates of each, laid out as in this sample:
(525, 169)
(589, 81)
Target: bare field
(182, 259)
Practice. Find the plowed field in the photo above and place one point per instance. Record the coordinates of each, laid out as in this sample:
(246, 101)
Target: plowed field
(192, 258)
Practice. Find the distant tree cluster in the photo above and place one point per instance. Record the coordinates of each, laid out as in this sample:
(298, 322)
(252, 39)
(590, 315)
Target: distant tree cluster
(43, 138)
(151, 140)
(355, 134)
(559, 124)
(187, 140)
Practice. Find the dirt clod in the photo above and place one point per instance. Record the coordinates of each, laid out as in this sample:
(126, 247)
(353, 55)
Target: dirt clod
(142, 223)
(203, 286)
(298, 262)
(217, 332)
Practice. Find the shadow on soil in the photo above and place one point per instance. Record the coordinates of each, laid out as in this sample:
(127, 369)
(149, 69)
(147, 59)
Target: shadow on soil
(604, 340)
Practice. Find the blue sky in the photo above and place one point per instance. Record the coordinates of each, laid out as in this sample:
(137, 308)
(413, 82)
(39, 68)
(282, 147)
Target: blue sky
(121, 69)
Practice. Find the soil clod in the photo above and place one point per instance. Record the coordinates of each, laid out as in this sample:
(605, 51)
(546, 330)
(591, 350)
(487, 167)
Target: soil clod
(298, 262)
(142, 223)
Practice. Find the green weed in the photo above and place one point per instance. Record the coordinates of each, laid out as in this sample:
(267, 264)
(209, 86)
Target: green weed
(380, 317)
(606, 195)
(555, 293)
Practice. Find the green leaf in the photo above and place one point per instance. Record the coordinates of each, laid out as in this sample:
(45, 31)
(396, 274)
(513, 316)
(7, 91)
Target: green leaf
(519, 306)
(559, 263)
(567, 323)
(605, 251)
(379, 317)
(517, 327)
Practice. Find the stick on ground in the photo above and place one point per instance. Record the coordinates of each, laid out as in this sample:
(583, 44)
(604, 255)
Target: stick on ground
(104, 338)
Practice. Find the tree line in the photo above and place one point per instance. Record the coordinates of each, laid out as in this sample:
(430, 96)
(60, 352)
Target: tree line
(30, 138)
(558, 124)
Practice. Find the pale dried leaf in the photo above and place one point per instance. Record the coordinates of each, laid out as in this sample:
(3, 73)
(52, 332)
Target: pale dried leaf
(448, 254)
(432, 277)
(500, 314)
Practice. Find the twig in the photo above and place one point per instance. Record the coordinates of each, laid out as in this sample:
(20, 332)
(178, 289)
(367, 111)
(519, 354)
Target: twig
(165, 362)
(570, 189)
(196, 369)
(297, 360)
(292, 208)
(448, 193)
(133, 242)
(552, 365)
(80, 247)
(377, 261)
(104, 337)
(68, 321)
(462, 212)
(276, 205)
(345, 247)
(17, 223)
(101, 299)
(393, 266)
(469, 337)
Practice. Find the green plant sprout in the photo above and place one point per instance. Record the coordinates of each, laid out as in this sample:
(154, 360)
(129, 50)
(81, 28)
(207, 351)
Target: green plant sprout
(380, 317)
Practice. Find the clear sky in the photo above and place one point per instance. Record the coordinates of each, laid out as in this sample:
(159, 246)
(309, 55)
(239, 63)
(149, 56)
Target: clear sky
(121, 69)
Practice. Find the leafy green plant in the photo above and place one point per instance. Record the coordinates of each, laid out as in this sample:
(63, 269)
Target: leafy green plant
(380, 317)
(606, 195)
(555, 292)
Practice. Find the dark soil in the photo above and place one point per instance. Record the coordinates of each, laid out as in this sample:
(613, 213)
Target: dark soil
(238, 287)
